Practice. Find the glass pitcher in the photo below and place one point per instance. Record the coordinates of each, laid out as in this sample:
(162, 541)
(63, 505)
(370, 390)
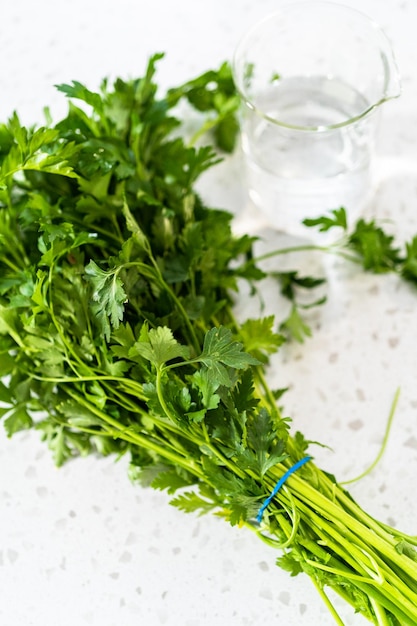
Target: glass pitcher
(312, 77)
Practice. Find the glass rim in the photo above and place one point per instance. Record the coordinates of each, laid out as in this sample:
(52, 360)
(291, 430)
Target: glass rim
(328, 4)
(318, 127)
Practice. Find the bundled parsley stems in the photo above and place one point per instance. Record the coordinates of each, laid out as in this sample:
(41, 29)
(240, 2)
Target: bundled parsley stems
(117, 332)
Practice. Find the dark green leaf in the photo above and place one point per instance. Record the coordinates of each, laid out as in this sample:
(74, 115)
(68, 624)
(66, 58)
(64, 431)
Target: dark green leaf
(265, 447)
(108, 296)
(5, 393)
(291, 281)
(226, 133)
(7, 363)
(409, 268)
(336, 218)
(207, 388)
(220, 350)
(376, 249)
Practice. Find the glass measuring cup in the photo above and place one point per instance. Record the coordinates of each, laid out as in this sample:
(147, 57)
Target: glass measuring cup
(312, 77)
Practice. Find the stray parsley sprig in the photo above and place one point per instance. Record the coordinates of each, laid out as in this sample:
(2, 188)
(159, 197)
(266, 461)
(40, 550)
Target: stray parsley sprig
(117, 334)
(372, 247)
(365, 243)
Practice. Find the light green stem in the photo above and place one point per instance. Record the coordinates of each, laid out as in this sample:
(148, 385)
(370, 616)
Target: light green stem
(383, 446)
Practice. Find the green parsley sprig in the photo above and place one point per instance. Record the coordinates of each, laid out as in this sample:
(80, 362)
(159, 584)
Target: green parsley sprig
(365, 243)
(117, 334)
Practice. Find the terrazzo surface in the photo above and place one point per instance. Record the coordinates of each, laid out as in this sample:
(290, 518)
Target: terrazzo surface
(81, 545)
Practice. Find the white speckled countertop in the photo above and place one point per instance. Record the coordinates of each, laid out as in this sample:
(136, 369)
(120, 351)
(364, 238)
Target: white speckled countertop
(81, 545)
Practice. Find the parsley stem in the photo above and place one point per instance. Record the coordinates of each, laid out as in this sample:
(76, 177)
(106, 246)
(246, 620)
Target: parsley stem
(186, 318)
(123, 400)
(8, 262)
(160, 394)
(383, 446)
(331, 249)
(205, 128)
(353, 539)
(344, 542)
(327, 602)
(268, 395)
(352, 508)
(306, 493)
(144, 441)
(133, 387)
(226, 462)
(380, 613)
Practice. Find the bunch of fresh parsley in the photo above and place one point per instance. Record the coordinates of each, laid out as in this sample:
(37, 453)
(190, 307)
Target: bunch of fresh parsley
(117, 333)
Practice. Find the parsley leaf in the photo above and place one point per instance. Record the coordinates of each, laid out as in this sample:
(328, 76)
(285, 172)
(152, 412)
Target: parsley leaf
(159, 346)
(374, 246)
(295, 326)
(336, 218)
(108, 296)
(265, 448)
(171, 480)
(191, 502)
(213, 92)
(409, 266)
(220, 351)
(259, 338)
(17, 419)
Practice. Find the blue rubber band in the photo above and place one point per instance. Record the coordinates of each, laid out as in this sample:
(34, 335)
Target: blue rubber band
(279, 484)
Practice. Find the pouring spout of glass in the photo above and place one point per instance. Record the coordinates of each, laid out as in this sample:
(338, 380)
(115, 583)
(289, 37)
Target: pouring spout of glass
(378, 78)
(392, 77)
(389, 87)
